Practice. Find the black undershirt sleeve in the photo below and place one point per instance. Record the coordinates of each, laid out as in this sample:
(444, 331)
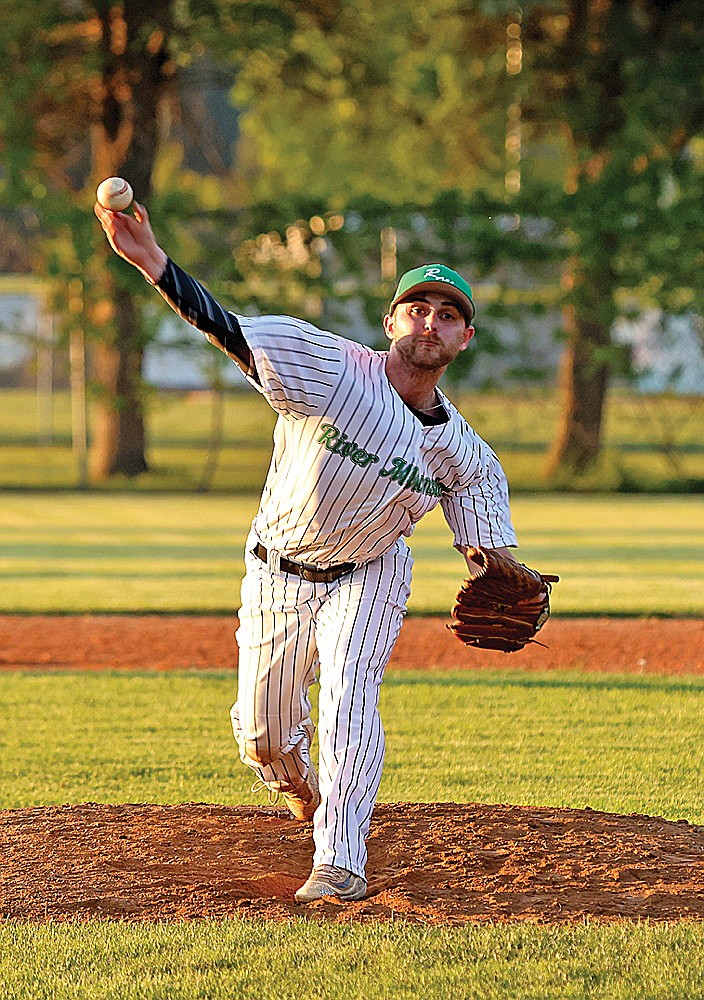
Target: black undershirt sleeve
(197, 306)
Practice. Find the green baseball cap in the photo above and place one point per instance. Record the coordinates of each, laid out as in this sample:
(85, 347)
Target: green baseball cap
(431, 278)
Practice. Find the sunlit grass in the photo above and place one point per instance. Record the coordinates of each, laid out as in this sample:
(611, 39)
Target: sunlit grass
(247, 959)
(67, 552)
(620, 743)
(529, 739)
(614, 555)
(649, 442)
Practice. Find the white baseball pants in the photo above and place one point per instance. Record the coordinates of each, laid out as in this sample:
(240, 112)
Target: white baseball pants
(290, 630)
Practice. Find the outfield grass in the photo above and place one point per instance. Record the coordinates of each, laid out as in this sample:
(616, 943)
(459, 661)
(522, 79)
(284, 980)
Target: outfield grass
(650, 442)
(623, 744)
(620, 743)
(66, 552)
(253, 960)
(614, 743)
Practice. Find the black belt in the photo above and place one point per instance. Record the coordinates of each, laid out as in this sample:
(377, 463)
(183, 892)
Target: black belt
(313, 574)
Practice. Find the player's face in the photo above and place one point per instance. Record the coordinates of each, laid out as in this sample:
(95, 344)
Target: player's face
(428, 331)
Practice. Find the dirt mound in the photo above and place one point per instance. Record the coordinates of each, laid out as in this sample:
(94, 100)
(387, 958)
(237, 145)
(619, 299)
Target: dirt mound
(437, 863)
(431, 863)
(165, 642)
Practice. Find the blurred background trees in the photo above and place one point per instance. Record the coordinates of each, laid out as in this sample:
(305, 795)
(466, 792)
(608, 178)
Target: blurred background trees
(555, 153)
(88, 88)
(571, 135)
(621, 81)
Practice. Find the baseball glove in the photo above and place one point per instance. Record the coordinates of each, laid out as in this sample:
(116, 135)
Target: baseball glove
(503, 605)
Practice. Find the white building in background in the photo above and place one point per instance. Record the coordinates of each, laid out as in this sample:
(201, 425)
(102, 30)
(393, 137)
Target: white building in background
(667, 352)
(178, 359)
(19, 326)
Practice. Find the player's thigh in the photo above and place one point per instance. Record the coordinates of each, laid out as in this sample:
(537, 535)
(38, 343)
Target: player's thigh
(277, 648)
(359, 624)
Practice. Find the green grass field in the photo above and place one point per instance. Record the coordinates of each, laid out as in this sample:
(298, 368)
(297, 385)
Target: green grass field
(651, 443)
(623, 744)
(76, 552)
(618, 743)
(507, 736)
(257, 961)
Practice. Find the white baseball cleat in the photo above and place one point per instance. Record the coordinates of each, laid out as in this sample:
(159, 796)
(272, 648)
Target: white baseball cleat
(329, 880)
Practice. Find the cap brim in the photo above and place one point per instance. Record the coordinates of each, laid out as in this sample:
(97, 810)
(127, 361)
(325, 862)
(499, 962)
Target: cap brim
(439, 288)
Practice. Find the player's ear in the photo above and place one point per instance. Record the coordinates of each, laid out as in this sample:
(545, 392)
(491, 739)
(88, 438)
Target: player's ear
(389, 326)
(468, 334)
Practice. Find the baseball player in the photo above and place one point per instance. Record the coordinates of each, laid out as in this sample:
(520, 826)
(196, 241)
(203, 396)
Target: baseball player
(365, 444)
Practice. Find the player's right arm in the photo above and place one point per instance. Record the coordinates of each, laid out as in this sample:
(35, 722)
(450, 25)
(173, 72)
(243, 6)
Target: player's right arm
(132, 238)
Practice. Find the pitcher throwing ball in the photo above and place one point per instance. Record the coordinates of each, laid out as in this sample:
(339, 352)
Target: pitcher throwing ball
(365, 444)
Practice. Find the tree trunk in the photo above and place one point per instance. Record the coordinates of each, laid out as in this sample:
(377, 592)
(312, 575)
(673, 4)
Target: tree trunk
(118, 444)
(215, 439)
(584, 382)
(135, 76)
(595, 51)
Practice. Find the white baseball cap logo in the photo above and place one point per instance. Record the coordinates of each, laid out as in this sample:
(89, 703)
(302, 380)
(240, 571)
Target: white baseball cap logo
(436, 275)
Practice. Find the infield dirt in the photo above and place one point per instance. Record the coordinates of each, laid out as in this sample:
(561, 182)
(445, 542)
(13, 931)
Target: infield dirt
(167, 642)
(432, 863)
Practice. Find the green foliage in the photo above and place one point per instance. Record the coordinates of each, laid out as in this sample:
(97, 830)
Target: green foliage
(555, 153)
(594, 186)
(375, 99)
(620, 79)
(411, 105)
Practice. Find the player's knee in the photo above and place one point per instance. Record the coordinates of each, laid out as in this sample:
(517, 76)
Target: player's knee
(255, 746)
(260, 752)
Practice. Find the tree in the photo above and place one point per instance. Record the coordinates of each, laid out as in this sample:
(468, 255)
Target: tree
(83, 110)
(622, 81)
(84, 89)
(389, 101)
(566, 137)
(578, 120)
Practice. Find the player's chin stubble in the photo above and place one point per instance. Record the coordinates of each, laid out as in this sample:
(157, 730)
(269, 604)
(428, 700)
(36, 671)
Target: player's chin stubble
(424, 354)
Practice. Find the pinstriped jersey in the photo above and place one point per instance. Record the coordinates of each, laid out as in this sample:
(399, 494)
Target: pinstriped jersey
(353, 467)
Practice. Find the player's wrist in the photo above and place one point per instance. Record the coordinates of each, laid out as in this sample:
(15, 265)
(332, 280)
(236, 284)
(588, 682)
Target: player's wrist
(155, 265)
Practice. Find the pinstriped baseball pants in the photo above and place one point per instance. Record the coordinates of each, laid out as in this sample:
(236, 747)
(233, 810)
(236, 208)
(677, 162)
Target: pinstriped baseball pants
(291, 631)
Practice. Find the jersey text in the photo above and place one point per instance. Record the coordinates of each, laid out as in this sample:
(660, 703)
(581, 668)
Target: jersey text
(409, 476)
(339, 444)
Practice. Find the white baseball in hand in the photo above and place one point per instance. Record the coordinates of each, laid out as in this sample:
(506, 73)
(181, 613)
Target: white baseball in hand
(115, 194)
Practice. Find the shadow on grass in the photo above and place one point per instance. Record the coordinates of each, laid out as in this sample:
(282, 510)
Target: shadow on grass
(595, 682)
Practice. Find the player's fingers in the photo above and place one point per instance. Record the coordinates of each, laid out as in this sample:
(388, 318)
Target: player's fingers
(100, 213)
(106, 222)
(107, 219)
(107, 215)
(140, 212)
(114, 227)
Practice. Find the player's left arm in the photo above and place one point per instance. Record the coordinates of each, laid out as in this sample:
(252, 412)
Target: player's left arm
(474, 567)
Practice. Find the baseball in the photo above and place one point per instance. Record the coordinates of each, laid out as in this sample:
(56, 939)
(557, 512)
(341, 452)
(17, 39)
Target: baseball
(115, 194)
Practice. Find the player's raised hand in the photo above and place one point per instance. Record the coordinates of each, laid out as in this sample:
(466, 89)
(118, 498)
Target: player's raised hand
(132, 237)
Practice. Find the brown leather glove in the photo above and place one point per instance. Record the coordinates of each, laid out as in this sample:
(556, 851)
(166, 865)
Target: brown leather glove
(503, 605)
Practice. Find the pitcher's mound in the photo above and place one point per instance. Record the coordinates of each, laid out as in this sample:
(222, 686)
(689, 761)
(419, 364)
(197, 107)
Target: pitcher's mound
(434, 863)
